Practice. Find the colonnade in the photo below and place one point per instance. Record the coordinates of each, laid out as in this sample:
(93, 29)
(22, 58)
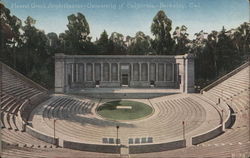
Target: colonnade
(82, 71)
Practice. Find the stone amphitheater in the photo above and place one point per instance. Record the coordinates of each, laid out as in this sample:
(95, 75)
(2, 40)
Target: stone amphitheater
(213, 123)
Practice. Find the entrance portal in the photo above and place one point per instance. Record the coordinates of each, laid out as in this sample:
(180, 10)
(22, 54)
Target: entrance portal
(125, 79)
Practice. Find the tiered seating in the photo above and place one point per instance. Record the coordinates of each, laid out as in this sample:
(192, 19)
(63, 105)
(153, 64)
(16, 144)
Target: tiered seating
(76, 120)
(233, 86)
(13, 85)
(239, 132)
(14, 92)
(235, 142)
(218, 150)
(9, 108)
(14, 152)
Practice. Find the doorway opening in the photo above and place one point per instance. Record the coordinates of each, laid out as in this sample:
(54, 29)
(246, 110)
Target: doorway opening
(124, 79)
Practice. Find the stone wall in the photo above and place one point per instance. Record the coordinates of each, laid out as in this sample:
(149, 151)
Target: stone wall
(207, 135)
(82, 71)
(91, 147)
(136, 149)
(42, 136)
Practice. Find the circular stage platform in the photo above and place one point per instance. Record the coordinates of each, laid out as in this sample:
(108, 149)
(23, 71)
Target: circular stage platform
(124, 110)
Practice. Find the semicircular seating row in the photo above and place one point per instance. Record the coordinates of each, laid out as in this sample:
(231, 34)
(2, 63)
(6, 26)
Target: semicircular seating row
(229, 144)
(233, 86)
(235, 142)
(15, 142)
(73, 120)
(14, 93)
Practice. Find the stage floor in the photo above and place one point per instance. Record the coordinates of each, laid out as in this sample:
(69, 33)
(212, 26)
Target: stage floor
(124, 92)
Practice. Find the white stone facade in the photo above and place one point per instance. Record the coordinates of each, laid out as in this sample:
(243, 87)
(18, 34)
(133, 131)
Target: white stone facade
(89, 71)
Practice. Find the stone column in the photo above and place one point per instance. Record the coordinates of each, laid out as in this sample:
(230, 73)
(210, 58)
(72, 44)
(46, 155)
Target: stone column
(59, 73)
(101, 71)
(93, 71)
(72, 73)
(148, 71)
(173, 69)
(118, 71)
(132, 71)
(165, 72)
(181, 62)
(77, 75)
(156, 72)
(110, 72)
(189, 73)
(140, 72)
(85, 71)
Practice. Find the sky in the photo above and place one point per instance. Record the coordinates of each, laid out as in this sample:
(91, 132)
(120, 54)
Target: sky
(130, 16)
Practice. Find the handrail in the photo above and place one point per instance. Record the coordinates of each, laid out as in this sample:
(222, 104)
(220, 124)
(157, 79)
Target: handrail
(223, 78)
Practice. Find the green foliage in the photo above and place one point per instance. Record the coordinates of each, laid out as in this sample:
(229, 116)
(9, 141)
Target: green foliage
(76, 39)
(139, 45)
(219, 52)
(160, 28)
(30, 51)
(116, 44)
(138, 110)
(180, 36)
(103, 43)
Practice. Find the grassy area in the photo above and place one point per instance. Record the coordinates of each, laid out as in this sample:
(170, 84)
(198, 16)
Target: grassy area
(109, 110)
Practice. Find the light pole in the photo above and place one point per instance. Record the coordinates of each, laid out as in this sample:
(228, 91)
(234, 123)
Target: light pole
(184, 139)
(222, 116)
(183, 127)
(54, 131)
(117, 128)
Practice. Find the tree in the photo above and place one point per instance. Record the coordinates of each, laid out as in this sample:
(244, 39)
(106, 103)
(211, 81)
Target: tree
(35, 52)
(225, 52)
(77, 36)
(241, 39)
(116, 44)
(104, 38)
(160, 28)
(139, 45)
(53, 41)
(103, 43)
(10, 36)
(180, 36)
(197, 48)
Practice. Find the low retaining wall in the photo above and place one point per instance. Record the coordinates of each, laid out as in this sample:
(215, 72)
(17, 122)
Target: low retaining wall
(124, 95)
(91, 147)
(136, 149)
(42, 136)
(227, 122)
(30, 104)
(207, 136)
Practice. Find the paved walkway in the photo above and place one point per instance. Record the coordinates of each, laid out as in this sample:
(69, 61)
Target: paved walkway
(125, 90)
